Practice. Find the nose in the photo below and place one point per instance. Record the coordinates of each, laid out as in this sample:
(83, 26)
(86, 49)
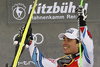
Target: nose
(64, 43)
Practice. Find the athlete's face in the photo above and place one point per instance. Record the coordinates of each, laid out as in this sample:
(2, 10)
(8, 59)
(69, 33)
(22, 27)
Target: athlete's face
(69, 46)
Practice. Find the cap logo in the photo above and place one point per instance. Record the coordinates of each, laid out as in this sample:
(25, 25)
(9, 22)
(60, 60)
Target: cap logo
(70, 31)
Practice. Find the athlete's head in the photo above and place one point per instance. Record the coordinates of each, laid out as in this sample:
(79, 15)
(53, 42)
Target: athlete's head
(70, 41)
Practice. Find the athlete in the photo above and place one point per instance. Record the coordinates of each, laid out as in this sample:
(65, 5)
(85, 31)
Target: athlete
(70, 46)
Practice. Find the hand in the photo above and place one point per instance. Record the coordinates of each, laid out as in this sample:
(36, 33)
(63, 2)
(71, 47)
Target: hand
(80, 12)
(29, 33)
(17, 38)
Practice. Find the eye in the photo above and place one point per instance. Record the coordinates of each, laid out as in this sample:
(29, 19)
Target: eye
(69, 39)
(63, 38)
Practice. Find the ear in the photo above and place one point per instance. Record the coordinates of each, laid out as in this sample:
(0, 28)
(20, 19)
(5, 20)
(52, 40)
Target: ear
(77, 45)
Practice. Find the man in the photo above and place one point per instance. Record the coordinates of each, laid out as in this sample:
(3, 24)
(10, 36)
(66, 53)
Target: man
(70, 47)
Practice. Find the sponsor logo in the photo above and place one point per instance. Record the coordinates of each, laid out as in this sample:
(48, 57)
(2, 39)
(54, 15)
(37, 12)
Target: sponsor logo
(65, 7)
(43, 11)
(25, 62)
(18, 11)
(38, 38)
(70, 31)
(65, 11)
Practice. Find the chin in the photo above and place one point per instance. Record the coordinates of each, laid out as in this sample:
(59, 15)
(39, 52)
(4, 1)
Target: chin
(66, 53)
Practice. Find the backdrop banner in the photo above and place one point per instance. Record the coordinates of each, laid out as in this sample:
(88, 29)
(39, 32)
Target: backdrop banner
(50, 11)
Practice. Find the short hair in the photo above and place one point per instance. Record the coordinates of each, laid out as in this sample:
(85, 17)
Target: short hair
(77, 41)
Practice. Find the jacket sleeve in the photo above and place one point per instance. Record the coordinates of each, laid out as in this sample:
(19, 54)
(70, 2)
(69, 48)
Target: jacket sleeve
(87, 42)
(38, 59)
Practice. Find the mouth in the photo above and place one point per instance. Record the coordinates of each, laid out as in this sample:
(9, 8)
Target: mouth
(66, 48)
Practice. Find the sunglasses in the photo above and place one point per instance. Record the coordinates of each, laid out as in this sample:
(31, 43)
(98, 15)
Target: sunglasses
(65, 60)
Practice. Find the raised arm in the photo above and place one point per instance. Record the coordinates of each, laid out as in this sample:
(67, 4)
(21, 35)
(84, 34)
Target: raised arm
(86, 38)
